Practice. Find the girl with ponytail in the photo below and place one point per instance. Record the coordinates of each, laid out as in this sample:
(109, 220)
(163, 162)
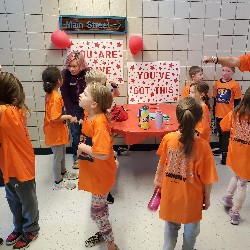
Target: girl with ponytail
(55, 128)
(185, 173)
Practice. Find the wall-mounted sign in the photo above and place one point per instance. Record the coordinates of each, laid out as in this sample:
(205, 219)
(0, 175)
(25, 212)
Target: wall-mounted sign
(153, 82)
(105, 55)
(96, 25)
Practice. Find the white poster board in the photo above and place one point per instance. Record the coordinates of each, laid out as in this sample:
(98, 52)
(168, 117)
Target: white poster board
(153, 82)
(106, 55)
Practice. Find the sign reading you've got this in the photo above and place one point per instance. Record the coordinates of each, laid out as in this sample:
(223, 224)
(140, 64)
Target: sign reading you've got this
(96, 25)
(153, 82)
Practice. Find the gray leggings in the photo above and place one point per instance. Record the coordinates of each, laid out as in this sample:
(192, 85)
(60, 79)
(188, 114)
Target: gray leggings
(23, 204)
(59, 161)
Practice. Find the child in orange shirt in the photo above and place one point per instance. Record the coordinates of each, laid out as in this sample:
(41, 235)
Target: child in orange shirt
(185, 173)
(96, 75)
(227, 95)
(55, 128)
(17, 163)
(196, 76)
(238, 123)
(97, 168)
(200, 92)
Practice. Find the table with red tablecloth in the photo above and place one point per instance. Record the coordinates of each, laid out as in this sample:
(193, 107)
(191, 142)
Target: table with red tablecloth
(133, 134)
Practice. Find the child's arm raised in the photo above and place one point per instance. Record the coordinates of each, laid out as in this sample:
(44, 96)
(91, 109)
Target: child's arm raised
(86, 149)
(225, 61)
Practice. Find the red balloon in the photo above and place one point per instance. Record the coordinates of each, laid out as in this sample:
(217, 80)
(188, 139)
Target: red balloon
(60, 39)
(135, 44)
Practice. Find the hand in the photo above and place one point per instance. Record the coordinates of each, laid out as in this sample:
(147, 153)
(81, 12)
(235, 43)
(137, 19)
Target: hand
(113, 84)
(73, 119)
(158, 181)
(206, 203)
(80, 121)
(80, 148)
(206, 59)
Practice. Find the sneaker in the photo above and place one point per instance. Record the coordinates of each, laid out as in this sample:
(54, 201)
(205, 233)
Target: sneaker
(70, 176)
(216, 152)
(227, 201)
(93, 240)
(234, 217)
(117, 248)
(1, 241)
(75, 165)
(25, 240)
(122, 151)
(64, 185)
(13, 238)
(110, 199)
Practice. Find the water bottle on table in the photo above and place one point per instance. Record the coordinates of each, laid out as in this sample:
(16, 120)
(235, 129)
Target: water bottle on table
(155, 200)
(145, 117)
(158, 119)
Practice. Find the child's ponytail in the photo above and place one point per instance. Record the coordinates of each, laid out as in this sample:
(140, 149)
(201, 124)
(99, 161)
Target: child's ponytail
(48, 87)
(244, 107)
(51, 76)
(203, 89)
(189, 113)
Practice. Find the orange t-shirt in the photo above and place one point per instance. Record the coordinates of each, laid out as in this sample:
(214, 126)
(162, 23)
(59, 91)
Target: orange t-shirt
(185, 91)
(225, 93)
(239, 144)
(244, 63)
(17, 157)
(56, 133)
(204, 126)
(183, 179)
(95, 175)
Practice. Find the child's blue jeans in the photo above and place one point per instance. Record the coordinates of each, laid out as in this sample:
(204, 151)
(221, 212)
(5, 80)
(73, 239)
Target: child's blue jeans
(191, 231)
(23, 204)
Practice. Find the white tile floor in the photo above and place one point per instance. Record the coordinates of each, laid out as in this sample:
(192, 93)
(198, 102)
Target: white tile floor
(65, 221)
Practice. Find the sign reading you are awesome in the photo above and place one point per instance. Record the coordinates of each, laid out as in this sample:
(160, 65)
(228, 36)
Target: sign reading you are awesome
(106, 55)
(96, 25)
(153, 82)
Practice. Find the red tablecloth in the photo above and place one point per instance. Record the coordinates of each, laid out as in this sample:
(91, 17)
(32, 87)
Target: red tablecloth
(134, 134)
